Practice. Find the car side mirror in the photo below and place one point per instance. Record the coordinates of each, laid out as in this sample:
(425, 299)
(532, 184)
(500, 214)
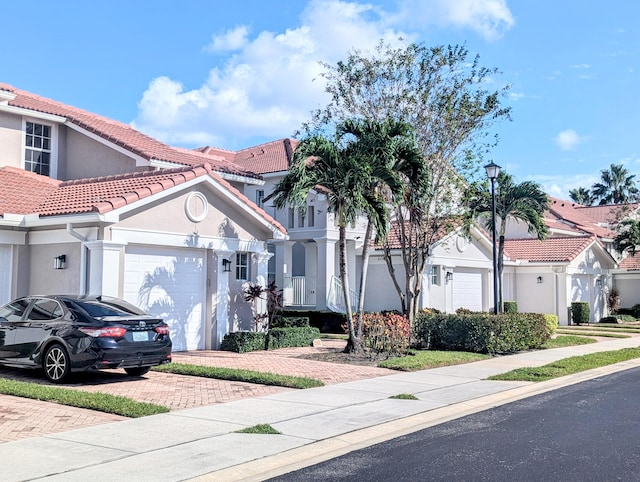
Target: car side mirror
(3, 319)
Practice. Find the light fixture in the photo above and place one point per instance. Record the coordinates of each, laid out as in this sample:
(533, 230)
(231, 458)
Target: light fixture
(599, 282)
(492, 173)
(539, 279)
(226, 265)
(60, 262)
(448, 276)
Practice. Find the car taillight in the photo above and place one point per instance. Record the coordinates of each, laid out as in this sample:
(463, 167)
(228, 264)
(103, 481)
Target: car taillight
(108, 331)
(162, 330)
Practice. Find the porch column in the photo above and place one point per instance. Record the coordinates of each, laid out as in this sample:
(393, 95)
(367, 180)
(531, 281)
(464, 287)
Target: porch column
(326, 270)
(262, 275)
(222, 297)
(351, 266)
(283, 262)
(105, 268)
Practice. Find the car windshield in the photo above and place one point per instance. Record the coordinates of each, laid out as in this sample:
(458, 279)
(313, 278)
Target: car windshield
(107, 307)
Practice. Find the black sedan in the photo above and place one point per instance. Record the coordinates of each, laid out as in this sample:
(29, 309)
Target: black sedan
(64, 334)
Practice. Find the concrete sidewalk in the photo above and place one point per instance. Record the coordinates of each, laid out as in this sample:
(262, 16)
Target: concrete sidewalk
(315, 424)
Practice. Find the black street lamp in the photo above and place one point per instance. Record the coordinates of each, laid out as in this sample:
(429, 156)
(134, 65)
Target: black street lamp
(492, 173)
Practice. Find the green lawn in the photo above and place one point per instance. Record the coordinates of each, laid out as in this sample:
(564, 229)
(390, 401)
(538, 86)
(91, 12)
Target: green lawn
(423, 359)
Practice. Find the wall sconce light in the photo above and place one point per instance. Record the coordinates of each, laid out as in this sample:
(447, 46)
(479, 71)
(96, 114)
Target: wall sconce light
(226, 265)
(60, 262)
(539, 280)
(448, 276)
(599, 282)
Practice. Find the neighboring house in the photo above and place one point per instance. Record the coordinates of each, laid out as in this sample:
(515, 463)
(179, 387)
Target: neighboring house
(90, 205)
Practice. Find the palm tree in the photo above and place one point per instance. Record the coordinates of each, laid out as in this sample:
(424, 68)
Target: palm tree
(397, 168)
(628, 237)
(525, 202)
(616, 186)
(582, 196)
(351, 167)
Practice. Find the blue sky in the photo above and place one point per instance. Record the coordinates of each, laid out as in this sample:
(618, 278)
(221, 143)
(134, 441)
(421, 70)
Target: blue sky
(233, 74)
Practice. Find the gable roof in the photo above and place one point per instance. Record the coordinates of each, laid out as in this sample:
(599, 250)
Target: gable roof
(573, 215)
(558, 249)
(630, 263)
(121, 134)
(608, 214)
(104, 194)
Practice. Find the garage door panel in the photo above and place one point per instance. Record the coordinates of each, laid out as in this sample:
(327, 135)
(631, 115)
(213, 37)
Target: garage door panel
(467, 291)
(169, 283)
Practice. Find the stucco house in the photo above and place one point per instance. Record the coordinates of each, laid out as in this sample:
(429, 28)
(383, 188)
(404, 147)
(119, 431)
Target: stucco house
(90, 205)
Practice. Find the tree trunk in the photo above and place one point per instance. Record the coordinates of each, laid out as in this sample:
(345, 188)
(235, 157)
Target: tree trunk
(363, 278)
(354, 344)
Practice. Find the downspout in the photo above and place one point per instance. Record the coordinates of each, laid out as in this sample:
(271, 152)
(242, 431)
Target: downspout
(83, 258)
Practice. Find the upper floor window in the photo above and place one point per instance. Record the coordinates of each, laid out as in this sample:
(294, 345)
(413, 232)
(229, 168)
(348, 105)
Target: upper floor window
(242, 266)
(37, 152)
(311, 216)
(301, 216)
(292, 214)
(260, 198)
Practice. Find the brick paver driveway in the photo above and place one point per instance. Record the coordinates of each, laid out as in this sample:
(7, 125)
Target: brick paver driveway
(21, 418)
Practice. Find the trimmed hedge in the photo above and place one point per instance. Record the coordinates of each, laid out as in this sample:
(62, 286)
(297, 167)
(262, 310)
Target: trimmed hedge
(510, 306)
(325, 321)
(294, 336)
(580, 312)
(291, 321)
(481, 332)
(244, 341)
(552, 323)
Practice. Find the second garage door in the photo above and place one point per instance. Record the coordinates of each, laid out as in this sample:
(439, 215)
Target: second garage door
(169, 282)
(467, 291)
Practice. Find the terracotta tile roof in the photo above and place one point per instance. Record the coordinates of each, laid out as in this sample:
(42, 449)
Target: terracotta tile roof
(122, 134)
(608, 214)
(23, 191)
(575, 215)
(35, 194)
(558, 249)
(266, 158)
(395, 231)
(630, 263)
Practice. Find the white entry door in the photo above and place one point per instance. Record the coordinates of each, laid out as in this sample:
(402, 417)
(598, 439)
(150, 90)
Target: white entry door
(467, 290)
(5, 274)
(170, 283)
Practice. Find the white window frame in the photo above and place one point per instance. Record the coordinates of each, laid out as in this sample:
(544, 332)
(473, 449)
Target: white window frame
(53, 151)
(260, 198)
(435, 275)
(242, 266)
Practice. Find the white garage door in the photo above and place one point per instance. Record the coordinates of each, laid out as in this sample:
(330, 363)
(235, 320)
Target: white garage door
(169, 283)
(467, 291)
(5, 274)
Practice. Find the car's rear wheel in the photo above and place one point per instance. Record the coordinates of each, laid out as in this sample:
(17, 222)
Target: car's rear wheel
(56, 363)
(137, 371)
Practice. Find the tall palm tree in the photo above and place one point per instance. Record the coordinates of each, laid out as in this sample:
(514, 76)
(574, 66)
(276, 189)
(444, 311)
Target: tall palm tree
(525, 202)
(350, 167)
(582, 196)
(398, 167)
(628, 237)
(616, 186)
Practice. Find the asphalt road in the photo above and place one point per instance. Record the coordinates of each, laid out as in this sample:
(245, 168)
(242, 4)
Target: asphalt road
(585, 432)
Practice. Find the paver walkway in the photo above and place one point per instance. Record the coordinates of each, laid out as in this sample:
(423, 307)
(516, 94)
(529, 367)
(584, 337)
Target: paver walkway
(22, 418)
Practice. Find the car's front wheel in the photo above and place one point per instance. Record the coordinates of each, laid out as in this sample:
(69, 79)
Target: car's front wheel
(137, 371)
(56, 363)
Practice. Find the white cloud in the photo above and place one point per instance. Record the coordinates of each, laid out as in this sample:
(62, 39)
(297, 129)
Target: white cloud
(581, 66)
(488, 18)
(568, 139)
(560, 185)
(270, 82)
(233, 39)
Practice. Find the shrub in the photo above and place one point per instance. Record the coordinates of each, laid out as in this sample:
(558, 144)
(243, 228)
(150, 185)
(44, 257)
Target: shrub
(386, 332)
(244, 341)
(293, 336)
(481, 332)
(291, 321)
(551, 323)
(580, 312)
(510, 306)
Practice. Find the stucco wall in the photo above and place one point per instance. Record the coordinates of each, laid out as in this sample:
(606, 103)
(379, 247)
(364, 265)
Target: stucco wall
(44, 279)
(10, 140)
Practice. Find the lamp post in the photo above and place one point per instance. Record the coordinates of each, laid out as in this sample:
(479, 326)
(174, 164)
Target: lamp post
(492, 173)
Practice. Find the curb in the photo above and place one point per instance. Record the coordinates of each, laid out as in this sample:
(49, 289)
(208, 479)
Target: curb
(316, 452)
